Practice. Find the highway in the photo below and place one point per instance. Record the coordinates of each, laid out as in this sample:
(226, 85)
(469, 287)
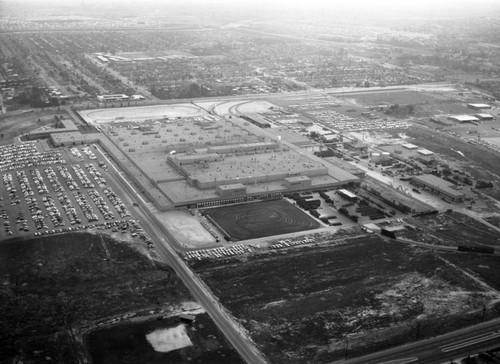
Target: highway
(441, 349)
(161, 237)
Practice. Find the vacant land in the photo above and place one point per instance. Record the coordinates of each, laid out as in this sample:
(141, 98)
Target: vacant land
(452, 229)
(394, 97)
(486, 267)
(255, 220)
(129, 344)
(15, 125)
(53, 284)
(300, 305)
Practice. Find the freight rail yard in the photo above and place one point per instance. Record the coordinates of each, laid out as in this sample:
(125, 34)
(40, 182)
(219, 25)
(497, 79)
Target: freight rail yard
(299, 187)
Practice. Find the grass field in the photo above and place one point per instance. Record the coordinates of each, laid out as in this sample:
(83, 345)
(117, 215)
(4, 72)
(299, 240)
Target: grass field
(256, 220)
(59, 282)
(300, 304)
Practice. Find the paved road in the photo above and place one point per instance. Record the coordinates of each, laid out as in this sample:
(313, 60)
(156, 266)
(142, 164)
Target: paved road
(162, 238)
(441, 349)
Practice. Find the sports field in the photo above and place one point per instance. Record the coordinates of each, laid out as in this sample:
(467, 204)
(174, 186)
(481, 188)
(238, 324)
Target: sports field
(259, 219)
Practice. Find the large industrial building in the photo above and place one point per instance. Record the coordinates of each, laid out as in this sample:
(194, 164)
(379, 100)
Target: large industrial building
(439, 186)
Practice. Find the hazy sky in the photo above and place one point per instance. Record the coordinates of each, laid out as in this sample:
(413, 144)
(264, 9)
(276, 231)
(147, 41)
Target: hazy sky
(380, 8)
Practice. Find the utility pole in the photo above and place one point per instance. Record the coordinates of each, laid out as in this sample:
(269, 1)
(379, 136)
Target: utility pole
(346, 346)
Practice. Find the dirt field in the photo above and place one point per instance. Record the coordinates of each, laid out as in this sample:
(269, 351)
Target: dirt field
(127, 344)
(54, 283)
(13, 125)
(256, 220)
(186, 229)
(403, 97)
(452, 229)
(487, 267)
(299, 304)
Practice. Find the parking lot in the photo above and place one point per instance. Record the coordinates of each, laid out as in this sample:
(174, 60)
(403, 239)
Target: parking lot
(47, 191)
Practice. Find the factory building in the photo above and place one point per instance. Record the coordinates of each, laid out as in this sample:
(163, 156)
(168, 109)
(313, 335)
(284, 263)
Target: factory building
(297, 182)
(463, 118)
(478, 106)
(347, 195)
(232, 190)
(439, 186)
(360, 148)
(483, 116)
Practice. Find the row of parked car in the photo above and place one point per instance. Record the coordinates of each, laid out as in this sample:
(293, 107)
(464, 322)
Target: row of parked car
(285, 243)
(95, 174)
(24, 183)
(101, 205)
(54, 181)
(37, 215)
(82, 176)
(54, 213)
(18, 156)
(68, 208)
(68, 178)
(116, 202)
(76, 152)
(39, 182)
(89, 153)
(9, 186)
(87, 210)
(217, 252)
(86, 150)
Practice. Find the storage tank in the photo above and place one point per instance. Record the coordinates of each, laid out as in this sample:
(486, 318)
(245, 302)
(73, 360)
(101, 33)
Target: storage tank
(376, 157)
(385, 156)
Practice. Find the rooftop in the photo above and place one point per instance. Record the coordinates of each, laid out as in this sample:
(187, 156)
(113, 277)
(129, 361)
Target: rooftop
(439, 184)
(463, 118)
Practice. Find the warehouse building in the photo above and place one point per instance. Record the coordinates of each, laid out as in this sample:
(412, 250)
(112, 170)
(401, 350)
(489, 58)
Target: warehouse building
(478, 106)
(483, 116)
(463, 118)
(439, 186)
(347, 195)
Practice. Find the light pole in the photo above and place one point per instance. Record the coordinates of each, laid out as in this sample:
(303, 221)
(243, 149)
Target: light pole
(346, 346)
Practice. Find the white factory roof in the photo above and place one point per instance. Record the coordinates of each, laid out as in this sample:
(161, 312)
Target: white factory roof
(484, 116)
(463, 118)
(479, 106)
(425, 152)
(347, 193)
(410, 146)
